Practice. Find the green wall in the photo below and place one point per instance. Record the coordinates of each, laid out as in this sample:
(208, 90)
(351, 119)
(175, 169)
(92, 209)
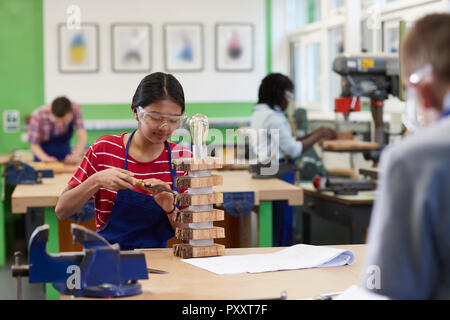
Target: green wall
(22, 74)
(21, 63)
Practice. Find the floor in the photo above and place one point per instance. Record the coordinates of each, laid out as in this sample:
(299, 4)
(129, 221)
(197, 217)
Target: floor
(8, 286)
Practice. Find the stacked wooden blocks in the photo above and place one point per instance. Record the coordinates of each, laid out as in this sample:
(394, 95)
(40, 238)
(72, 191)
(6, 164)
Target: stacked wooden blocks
(199, 234)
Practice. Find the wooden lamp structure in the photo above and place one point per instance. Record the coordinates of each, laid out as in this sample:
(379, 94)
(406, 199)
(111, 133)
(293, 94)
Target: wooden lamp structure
(199, 232)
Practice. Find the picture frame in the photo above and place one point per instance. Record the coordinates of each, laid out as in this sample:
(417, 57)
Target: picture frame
(131, 47)
(78, 48)
(183, 47)
(234, 44)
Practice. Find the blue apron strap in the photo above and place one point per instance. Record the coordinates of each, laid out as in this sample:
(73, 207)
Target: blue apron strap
(173, 172)
(126, 150)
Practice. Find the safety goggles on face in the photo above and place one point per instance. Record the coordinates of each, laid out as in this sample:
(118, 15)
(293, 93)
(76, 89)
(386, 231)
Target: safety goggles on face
(289, 95)
(158, 120)
(413, 117)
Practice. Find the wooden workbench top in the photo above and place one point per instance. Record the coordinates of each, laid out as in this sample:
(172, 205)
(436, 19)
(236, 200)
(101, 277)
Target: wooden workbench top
(186, 282)
(39, 195)
(264, 189)
(362, 198)
(47, 193)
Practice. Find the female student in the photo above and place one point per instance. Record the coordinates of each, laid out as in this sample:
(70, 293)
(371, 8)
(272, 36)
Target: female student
(124, 213)
(274, 96)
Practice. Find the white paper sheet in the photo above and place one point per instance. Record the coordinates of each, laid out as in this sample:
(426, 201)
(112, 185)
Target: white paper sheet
(299, 256)
(357, 293)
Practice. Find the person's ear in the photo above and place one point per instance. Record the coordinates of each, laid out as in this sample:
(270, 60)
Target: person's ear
(135, 114)
(427, 96)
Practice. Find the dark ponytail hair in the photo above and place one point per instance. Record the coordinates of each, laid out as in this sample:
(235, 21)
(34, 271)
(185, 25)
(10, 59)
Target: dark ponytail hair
(272, 88)
(156, 87)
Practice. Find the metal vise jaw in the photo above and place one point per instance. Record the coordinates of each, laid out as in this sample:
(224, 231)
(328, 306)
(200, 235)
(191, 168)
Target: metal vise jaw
(18, 172)
(100, 270)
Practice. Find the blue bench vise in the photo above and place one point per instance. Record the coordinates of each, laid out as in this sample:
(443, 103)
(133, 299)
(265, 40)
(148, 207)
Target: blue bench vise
(18, 172)
(100, 270)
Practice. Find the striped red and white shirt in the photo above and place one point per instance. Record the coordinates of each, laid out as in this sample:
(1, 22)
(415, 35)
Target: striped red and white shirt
(109, 152)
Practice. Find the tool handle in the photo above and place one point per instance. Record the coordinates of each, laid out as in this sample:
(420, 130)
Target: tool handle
(148, 187)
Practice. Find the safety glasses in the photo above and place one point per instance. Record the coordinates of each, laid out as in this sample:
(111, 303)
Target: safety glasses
(158, 120)
(413, 117)
(289, 95)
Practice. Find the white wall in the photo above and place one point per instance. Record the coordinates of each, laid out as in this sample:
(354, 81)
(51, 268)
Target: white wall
(108, 87)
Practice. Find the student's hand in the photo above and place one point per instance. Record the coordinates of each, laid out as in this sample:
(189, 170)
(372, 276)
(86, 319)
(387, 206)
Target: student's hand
(72, 158)
(48, 158)
(114, 179)
(327, 133)
(164, 199)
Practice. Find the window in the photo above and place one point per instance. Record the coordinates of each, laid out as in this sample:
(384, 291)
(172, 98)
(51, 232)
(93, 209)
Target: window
(296, 74)
(302, 12)
(313, 72)
(314, 12)
(391, 36)
(336, 4)
(336, 47)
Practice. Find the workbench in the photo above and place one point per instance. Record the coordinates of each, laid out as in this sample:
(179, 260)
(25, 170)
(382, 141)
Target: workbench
(352, 211)
(186, 282)
(265, 190)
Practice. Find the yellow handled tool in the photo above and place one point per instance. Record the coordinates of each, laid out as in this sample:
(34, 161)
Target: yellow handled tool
(143, 185)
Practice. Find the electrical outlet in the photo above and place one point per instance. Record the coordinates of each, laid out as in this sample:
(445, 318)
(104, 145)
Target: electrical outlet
(24, 137)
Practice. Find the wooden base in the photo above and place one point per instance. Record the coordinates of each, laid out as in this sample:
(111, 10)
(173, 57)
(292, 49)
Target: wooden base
(187, 251)
(200, 182)
(189, 164)
(199, 234)
(354, 144)
(187, 199)
(187, 216)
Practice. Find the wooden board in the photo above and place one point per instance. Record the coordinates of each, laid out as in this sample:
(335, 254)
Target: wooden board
(186, 251)
(187, 216)
(199, 234)
(189, 164)
(345, 135)
(186, 199)
(354, 144)
(200, 182)
(57, 167)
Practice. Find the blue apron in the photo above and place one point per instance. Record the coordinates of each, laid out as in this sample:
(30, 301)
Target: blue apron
(445, 114)
(57, 146)
(137, 220)
(282, 217)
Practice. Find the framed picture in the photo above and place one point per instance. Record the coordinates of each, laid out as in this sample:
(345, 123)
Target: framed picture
(183, 47)
(234, 47)
(131, 47)
(78, 49)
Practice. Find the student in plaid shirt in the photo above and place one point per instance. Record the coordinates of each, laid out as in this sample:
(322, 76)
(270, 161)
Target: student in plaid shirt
(51, 128)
